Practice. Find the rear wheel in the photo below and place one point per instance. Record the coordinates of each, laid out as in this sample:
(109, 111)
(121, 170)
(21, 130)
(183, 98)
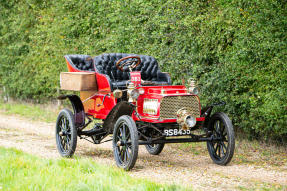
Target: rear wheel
(154, 149)
(125, 142)
(66, 133)
(221, 151)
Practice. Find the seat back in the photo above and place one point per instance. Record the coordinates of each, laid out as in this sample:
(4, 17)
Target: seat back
(106, 64)
(81, 62)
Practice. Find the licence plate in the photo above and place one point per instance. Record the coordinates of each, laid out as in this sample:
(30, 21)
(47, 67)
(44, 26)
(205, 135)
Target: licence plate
(176, 132)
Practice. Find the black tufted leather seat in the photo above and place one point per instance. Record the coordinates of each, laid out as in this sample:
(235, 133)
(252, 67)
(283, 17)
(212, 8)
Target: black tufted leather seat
(106, 64)
(81, 62)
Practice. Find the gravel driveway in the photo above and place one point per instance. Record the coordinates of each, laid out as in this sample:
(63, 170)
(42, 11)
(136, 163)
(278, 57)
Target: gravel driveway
(171, 166)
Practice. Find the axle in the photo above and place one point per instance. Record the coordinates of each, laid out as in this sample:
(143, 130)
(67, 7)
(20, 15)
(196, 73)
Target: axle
(184, 140)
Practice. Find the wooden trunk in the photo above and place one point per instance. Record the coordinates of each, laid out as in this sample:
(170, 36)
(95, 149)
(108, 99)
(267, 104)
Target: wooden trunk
(78, 81)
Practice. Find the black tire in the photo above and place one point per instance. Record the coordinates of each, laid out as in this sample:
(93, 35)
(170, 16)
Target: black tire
(221, 152)
(125, 142)
(154, 149)
(66, 133)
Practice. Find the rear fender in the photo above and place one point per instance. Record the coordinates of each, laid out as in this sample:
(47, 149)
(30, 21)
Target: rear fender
(122, 108)
(79, 112)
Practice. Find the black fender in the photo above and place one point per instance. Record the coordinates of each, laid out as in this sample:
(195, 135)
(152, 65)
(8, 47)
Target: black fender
(79, 112)
(122, 108)
(206, 112)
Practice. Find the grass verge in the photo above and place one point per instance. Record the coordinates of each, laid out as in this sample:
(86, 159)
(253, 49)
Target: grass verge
(47, 113)
(21, 171)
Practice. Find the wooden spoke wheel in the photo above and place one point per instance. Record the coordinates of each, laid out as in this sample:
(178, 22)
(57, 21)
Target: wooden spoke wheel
(125, 142)
(66, 133)
(221, 150)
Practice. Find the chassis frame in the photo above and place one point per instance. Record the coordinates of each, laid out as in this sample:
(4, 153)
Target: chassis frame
(80, 118)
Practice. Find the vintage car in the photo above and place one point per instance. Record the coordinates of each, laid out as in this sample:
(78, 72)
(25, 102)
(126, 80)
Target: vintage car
(127, 95)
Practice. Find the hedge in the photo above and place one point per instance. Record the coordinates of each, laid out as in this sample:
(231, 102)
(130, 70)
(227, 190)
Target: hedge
(235, 49)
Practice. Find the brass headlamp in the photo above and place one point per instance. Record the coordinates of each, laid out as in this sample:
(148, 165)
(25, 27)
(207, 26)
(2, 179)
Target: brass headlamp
(192, 87)
(185, 119)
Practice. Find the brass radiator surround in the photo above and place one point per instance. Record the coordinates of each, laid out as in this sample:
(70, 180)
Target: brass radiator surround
(171, 104)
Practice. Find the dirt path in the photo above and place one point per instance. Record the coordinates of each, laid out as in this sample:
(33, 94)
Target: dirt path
(171, 166)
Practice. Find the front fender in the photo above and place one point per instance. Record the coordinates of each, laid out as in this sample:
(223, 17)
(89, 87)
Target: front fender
(206, 112)
(122, 108)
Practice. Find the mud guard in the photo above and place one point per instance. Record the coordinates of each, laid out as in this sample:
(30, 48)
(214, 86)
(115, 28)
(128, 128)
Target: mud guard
(79, 112)
(122, 108)
(206, 112)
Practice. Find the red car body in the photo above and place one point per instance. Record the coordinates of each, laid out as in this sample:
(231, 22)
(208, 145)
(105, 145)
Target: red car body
(104, 101)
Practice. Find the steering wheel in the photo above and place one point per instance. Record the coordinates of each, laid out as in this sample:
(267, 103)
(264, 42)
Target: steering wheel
(130, 63)
(143, 82)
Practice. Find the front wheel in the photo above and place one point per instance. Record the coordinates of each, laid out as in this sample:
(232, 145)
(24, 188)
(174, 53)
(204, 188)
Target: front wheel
(125, 142)
(66, 133)
(221, 150)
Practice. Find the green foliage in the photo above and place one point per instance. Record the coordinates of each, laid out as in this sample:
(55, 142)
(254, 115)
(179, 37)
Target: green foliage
(235, 49)
(20, 171)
